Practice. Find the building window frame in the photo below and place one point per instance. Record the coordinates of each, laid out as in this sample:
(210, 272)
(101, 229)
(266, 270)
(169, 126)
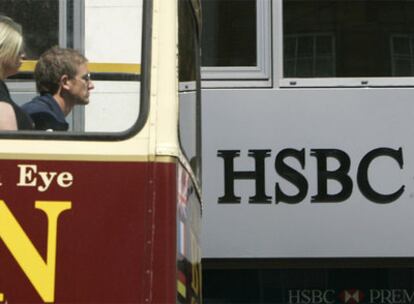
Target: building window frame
(313, 56)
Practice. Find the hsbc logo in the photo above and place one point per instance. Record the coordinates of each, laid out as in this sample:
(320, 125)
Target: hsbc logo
(312, 296)
(341, 175)
(350, 296)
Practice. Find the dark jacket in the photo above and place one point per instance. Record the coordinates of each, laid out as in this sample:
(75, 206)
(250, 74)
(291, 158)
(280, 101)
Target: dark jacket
(46, 113)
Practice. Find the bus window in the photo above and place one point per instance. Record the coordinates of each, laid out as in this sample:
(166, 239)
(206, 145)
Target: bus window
(41, 32)
(348, 38)
(113, 50)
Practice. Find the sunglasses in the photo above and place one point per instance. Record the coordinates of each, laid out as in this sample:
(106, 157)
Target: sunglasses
(86, 77)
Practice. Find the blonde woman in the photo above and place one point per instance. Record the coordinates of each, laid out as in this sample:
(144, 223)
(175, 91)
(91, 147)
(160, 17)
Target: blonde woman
(12, 117)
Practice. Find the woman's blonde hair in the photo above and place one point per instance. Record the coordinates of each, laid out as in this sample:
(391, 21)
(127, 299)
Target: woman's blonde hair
(11, 42)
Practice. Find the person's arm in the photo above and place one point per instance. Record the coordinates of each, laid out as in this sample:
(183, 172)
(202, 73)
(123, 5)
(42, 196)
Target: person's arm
(7, 117)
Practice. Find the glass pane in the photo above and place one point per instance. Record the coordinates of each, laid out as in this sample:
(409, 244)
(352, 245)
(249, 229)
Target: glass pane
(40, 22)
(324, 67)
(363, 38)
(187, 42)
(324, 45)
(309, 56)
(229, 33)
(304, 67)
(290, 47)
(290, 68)
(402, 67)
(401, 45)
(305, 47)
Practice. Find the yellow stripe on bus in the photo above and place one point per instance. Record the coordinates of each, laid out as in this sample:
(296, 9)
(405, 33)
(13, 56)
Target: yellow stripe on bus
(130, 68)
(28, 66)
(94, 67)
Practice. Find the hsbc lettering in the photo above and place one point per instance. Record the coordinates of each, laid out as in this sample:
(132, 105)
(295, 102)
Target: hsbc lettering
(351, 296)
(297, 179)
(312, 296)
(391, 296)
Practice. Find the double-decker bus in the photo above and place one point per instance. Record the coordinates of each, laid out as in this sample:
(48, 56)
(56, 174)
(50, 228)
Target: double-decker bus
(109, 211)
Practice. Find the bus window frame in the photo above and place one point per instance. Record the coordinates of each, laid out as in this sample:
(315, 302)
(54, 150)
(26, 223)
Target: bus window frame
(78, 42)
(328, 82)
(254, 76)
(144, 101)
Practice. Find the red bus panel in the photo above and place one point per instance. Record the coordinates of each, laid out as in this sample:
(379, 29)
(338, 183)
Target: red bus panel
(114, 225)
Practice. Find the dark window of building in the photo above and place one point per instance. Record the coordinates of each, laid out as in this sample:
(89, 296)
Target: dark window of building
(187, 42)
(335, 38)
(309, 55)
(402, 47)
(229, 33)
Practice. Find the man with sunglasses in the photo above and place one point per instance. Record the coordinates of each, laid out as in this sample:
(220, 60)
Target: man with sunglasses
(63, 81)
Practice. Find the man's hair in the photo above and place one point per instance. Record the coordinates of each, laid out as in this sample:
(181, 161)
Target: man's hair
(53, 64)
(11, 42)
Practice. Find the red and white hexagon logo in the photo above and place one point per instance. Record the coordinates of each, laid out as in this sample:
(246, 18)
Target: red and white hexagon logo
(351, 296)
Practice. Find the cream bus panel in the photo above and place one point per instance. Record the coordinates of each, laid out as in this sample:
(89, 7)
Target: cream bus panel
(113, 106)
(113, 35)
(113, 31)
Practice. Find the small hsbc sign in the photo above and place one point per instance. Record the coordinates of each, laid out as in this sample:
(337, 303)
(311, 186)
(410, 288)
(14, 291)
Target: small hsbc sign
(350, 296)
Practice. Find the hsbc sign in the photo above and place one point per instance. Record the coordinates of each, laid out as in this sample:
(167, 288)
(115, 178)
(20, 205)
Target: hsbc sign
(324, 175)
(309, 173)
(314, 192)
(350, 296)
